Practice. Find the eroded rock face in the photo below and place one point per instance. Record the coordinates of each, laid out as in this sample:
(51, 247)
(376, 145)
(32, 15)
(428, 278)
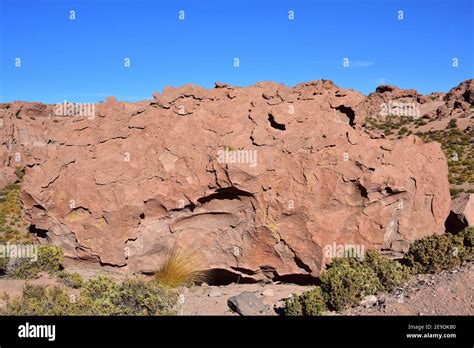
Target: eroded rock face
(263, 182)
(389, 100)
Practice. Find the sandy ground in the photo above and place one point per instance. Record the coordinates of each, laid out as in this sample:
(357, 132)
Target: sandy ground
(446, 293)
(212, 300)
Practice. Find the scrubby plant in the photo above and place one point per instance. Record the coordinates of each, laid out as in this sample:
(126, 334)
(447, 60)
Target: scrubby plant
(181, 267)
(49, 260)
(100, 296)
(389, 272)
(311, 302)
(439, 252)
(467, 235)
(452, 123)
(136, 297)
(19, 172)
(347, 281)
(293, 306)
(73, 280)
(38, 300)
(10, 216)
(403, 130)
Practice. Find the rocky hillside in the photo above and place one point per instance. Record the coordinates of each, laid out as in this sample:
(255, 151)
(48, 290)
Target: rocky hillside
(262, 182)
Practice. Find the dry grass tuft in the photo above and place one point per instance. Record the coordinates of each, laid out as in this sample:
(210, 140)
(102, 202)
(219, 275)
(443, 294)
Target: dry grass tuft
(181, 267)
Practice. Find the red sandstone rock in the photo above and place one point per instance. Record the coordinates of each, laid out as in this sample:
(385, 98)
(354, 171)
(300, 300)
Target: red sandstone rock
(299, 175)
(391, 100)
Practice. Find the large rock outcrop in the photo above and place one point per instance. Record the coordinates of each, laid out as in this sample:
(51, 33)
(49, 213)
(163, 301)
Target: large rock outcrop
(389, 100)
(261, 181)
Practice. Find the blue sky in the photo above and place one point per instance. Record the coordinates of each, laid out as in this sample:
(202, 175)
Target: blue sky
(82, 60)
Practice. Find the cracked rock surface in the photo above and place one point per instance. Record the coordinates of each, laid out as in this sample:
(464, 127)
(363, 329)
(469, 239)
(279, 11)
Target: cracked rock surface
(260, 181)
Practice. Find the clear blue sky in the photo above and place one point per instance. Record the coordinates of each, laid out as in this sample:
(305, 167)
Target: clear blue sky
(83, 60)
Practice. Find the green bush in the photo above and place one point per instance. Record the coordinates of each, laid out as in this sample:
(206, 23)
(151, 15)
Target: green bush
(20, 172)
(389, 272)
(73, 280)
(49, 260)
(130, 297)
(403, 130)
(347, 281)
(293, 306)
(312, 302)
(100, 296)
(136, 297)
(468, 240)
(440, 252)
(38, 300)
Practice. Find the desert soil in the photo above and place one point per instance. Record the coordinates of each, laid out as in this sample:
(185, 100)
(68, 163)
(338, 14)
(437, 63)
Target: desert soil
(446, 293)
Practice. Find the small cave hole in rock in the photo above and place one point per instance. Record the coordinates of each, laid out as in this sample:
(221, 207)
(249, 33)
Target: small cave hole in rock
(218, 276)
(348, 112)
(298, 279)
(40, 233)
(225, 193)
(275, 124)
(363, 191)
(142, 216)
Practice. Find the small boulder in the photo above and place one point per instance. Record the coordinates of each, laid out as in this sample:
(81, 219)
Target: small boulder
(369, 301)
(268, 293)
(246, 303)
(462, 213)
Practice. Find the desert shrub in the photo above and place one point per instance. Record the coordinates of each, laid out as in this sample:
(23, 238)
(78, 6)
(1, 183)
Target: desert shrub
(73, 280)
(467, 235)
(130, 297)
(403, 130)
(49, 260)
(438, 252)
(181, 267)
(135, 297)
(100, 296)
(347, 281)
(389, 272)
(293, 306)
(38, 300)
(452, 123)
(312, 302)
(454, 191)
(20, 172)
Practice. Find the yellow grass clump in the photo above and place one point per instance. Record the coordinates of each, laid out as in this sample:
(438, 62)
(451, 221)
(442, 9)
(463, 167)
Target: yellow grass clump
(181, 268)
